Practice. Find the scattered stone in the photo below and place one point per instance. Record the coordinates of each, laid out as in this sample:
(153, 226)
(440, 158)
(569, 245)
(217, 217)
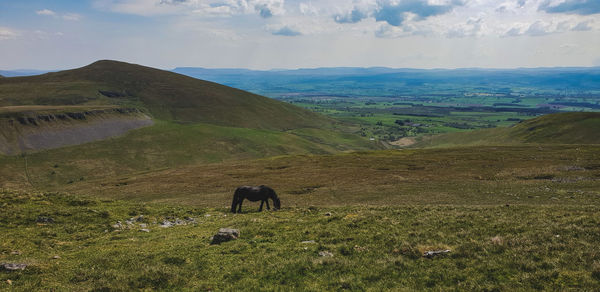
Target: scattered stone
(325, 254)
(12, 267)
(166, 224)
(15, 252)
(206, 215)
(432, 253)
(9, 282)
(308, 241)
(145, 230)
(55, 257)
(119, 225)
(360, 248)
(44, 219)
(143, 225)
(497, 240)
(225, 234)
(139, 218)
(328, 214)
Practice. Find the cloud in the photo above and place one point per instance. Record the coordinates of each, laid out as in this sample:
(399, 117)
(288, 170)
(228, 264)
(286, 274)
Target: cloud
(7, 34)
(581, 7)
(47, 12)
(396, 12)
(308, 9)
(286, 31)
(222, 8)
(353, 16)
(71, 16)
(583, 26)
(65, 16)
(539, 28)
(264, 11)
(472, 28)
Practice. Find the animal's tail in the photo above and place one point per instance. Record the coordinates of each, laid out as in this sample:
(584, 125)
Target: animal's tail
(235, 200)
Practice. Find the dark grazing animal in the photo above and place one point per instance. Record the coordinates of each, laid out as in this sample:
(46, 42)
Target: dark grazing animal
(253, 194)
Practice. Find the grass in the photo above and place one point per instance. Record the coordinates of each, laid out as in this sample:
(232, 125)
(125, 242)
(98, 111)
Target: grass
(168, 144)
(559, 174)
(165, 95)
(562, 128)
(374, 248)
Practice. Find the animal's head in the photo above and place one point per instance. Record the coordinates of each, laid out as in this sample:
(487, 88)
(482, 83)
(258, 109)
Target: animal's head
(276, 203)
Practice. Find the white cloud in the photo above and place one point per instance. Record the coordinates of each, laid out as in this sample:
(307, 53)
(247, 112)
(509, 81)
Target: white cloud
(71, 16)
(7, 33)
(47, 12)
(65, 16)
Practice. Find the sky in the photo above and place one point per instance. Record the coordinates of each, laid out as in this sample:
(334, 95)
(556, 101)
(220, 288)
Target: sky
(277, 34)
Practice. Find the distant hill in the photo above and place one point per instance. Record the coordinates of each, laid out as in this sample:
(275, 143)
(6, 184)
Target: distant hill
(23, 72)
(561, 128)
(393, 82)
(165, 95)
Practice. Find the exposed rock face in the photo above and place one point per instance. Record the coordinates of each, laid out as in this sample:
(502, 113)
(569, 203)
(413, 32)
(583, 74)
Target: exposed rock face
(225, 234)
(31, 132)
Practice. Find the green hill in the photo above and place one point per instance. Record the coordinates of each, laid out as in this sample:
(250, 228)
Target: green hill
(193, 121)
(561, 128)
(165, 95)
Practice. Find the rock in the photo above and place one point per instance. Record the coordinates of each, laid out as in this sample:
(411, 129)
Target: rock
(325, 253)
(55, 257)
(12, 266)
(308, 241)
(9, 282)
(139, 218)
(15, 252)
(328, 214)
(166, 224)
(432, 253)
(225, 234)
(145, 230)
(143, 225)
(44, 219)
(118, 225)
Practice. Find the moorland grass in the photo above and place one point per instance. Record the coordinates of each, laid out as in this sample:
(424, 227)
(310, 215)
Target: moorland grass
(532, 175)
(374, 248)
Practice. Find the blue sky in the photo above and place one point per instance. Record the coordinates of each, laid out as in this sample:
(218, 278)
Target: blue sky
(265, 34)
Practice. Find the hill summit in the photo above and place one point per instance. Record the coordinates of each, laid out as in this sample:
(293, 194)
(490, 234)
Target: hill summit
(163, 94)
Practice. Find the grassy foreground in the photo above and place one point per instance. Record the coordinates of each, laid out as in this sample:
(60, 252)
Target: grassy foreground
(374, 248)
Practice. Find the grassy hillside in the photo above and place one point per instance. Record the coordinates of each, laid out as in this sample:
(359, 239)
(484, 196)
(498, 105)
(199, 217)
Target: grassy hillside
(166, 144)
(561, 128)
(493, 175)
(165, 95)
(529, 247)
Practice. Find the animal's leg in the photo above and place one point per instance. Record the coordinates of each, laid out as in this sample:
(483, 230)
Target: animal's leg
(240, 207)
(261, 205)
(234, 205)
(268, 207)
